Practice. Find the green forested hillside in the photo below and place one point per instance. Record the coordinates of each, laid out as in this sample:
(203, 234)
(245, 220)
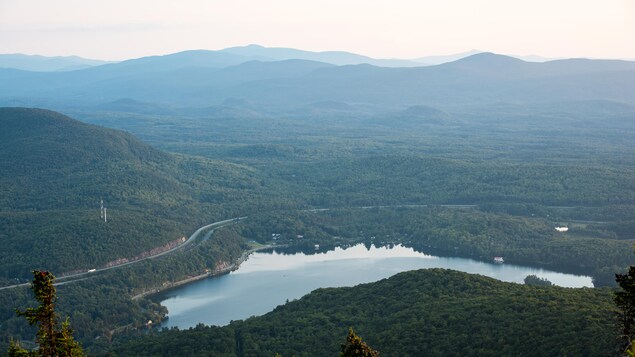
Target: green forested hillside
(418, 313)
(401, 179)
(456, 230)
(54, 171)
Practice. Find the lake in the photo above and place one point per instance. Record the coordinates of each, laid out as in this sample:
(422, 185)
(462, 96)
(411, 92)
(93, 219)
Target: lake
(268, 279)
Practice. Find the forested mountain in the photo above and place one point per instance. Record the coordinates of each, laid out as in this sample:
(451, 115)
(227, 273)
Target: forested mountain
(202, 78)
(54, 171)
(419, 313)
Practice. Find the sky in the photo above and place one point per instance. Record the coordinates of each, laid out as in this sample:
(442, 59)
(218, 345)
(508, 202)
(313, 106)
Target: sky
(123, 29)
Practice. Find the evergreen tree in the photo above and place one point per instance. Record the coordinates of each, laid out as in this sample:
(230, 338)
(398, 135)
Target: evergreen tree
(53, 342)
(625, 301)
(15, 350)
(355, 347)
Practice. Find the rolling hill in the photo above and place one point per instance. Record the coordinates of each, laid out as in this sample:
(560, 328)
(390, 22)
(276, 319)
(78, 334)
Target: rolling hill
(54, 171)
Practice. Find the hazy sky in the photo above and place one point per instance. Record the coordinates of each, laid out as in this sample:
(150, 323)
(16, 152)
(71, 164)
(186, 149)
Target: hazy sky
(120, 29)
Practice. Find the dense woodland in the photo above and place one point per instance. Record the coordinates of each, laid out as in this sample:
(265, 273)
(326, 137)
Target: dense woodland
(462, 231)
(56, 170)
(493, 175)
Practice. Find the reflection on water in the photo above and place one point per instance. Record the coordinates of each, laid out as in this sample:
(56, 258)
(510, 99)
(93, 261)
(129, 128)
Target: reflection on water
(277, 261)
(268, 279)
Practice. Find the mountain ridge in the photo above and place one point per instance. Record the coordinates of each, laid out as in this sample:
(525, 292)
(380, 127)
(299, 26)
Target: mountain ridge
(54, 170)
(20, 124)
(180, 81)
(339, 58)
(47, 63)
(239, 54)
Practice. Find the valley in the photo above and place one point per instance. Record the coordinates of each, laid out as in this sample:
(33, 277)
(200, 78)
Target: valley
(478, 158)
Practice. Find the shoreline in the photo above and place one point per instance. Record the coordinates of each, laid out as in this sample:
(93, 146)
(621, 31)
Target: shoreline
(226, 270)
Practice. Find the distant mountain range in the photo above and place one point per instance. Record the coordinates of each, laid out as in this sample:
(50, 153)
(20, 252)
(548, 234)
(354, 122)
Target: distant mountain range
(205, 78)
(236, 55)
(339, 58)
(46, 64)
(203, 58)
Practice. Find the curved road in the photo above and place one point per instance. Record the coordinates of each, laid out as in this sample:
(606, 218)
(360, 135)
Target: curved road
(84, 275)
(78, 276)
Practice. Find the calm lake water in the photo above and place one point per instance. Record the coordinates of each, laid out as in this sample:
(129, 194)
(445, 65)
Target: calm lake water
(267, 280)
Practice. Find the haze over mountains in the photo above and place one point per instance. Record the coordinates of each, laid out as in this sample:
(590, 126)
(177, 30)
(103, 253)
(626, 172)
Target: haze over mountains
(46, 64)
(339, 58)
(233, 55)
(204, 78)
(240, 54)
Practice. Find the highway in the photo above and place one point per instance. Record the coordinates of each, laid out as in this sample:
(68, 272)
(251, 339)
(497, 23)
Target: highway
(86, 274)
(83, 275)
